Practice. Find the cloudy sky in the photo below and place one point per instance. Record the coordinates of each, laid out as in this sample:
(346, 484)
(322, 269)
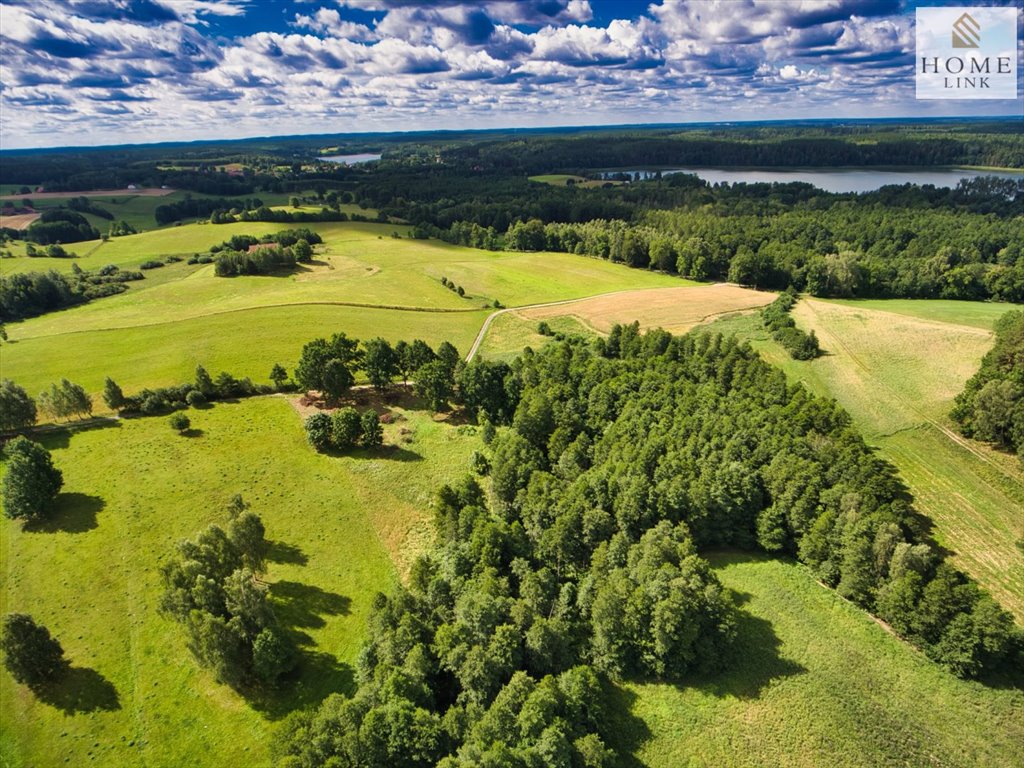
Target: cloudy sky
(82, 72)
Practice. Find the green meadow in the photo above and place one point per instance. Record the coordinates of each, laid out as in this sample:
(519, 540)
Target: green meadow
(341, 530)
(362, 281)
(816, 682)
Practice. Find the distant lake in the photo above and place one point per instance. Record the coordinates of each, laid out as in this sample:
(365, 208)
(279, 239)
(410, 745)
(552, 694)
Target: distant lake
(350, 159)
(832, 179)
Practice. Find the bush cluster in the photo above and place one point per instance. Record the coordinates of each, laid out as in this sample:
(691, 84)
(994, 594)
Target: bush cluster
(776, 318)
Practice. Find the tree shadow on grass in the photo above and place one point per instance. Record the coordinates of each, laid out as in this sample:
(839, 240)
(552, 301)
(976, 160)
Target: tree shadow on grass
(282, 552)
(753, 662)
(396, 453)
(389, 452)
(59, 436)
(73, 513)
(80, 690)
(316, 677)
(318, 674)
(192, 432)
(624, 730)
(303, 605)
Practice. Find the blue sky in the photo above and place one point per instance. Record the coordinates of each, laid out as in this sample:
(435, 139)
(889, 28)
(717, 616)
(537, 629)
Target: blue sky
(116, 71)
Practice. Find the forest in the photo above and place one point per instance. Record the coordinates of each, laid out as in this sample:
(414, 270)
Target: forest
(612, 464)
(991, 407)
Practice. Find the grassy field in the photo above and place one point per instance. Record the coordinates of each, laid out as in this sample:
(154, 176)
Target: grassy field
(362, 282)
(896, 367)
(815, 682)
(563, 179)
(511, 332)
(135, 696)
(244, 343)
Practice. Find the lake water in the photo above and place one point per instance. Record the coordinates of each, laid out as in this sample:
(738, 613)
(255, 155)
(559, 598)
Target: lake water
(833, 179)
(350, 159)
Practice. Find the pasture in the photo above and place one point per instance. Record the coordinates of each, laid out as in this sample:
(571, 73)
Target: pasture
(896, 367)
(362, 281)
(342, 529)
(815, 682)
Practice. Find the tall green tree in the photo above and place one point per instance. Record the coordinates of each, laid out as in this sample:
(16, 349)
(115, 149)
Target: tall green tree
(434, 383)
(248, 534)
(32, 482)
(17, 409)
(372, 431)
(380, 363)
(204, 383)
(336, 380)
(318, 431)
(279, 376)
(31, 655)
(346, 428)
(113, 396)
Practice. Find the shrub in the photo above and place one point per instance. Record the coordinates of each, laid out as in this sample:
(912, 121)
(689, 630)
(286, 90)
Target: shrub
(179, 422)
(318, 431)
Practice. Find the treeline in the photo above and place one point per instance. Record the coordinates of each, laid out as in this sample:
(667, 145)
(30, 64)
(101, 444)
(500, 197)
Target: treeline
(776, 318)
(620, 460)
(783, 146)
(328, 366)
(27, 294)
(201, 390)
(85, 205)
(285, 238)
(60, 225)
(201, 207)
(991, 407)
(248, 255)
(836, 249)
(269, 214)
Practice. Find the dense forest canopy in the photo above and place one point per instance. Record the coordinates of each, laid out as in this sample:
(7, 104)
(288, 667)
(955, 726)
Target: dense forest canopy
(621, 461)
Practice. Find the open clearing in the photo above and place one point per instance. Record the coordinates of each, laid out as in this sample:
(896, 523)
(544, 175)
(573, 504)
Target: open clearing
(675, 309)
(19, 221)
(897, 373)
(815, 682)
(132, 490)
